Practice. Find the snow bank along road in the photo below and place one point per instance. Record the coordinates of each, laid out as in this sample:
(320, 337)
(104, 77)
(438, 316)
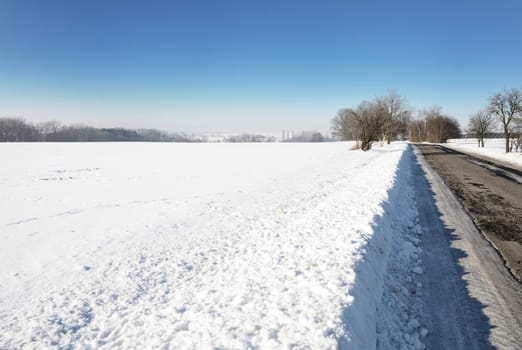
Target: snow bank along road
(197, 246)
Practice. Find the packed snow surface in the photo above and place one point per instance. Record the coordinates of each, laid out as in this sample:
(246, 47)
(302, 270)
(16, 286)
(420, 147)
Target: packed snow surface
(131, 245)
(493, 148)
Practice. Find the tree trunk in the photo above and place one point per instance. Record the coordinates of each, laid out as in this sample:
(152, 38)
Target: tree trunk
(506, 136)
(482, 141)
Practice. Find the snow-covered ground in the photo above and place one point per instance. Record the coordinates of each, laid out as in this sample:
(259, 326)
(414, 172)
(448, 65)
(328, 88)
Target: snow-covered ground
(493, 148)
(199, 246)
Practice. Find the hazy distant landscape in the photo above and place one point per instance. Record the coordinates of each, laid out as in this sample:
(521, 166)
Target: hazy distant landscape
(20, 130)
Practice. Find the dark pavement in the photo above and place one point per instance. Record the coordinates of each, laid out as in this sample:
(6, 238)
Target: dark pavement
(490, 193)
(471, 300)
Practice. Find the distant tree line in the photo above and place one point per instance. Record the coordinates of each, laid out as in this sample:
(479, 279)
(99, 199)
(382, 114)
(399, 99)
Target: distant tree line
(307, 136)
(503, 111)
(250, 138)
(19, 130)
(388, 118)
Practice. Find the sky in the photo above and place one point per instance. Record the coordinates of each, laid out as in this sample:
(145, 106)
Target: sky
(250, 66)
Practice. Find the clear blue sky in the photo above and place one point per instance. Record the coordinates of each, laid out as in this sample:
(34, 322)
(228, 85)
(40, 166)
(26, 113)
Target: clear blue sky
(249, 65)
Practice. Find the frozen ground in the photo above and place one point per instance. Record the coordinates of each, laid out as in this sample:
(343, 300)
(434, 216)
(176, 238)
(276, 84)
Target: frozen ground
(493, 148)
(207, 246)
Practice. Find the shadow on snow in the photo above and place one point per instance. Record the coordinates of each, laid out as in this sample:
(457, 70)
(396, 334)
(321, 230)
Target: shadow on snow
(450, 313)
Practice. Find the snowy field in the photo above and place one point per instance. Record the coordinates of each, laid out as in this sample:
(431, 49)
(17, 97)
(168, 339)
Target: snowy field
(199, 246)
(493, 148)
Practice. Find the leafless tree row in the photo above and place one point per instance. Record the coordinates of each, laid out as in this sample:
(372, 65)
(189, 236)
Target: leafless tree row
(250, 138)
(432, 125)
(19, 130)
(505, 111)
(383, 119)
(389, 118)
(307, 136)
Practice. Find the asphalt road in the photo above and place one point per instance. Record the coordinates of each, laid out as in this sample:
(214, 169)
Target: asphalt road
(470, 299)
(490, 193)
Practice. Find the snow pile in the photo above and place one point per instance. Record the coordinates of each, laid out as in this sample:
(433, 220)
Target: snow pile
(493, 148)
(200, 246)
(398, 326)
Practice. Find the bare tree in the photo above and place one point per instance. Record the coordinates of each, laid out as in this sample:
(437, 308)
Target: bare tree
(440, 127)
(516, 136)
(343, 125)
(480, 124)
(395, 117)
(417, 130)
(363, 123)
(368, 118)
(507, 108)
